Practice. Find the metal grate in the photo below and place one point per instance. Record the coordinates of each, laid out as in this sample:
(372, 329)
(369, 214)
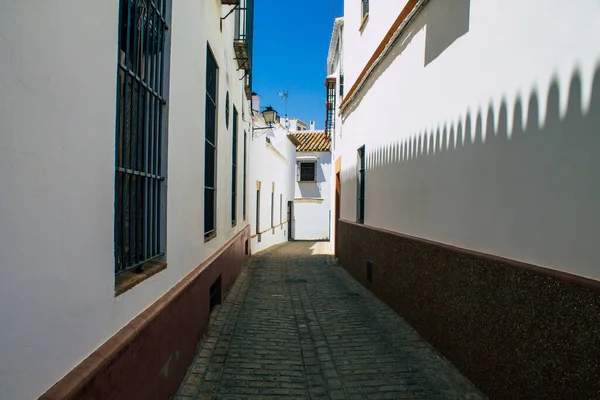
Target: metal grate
(244, 181)
(141, 132)
(360, 202)
(307, 172)
(210, 144)
(365, 7)
(330, 116)
(234, 151)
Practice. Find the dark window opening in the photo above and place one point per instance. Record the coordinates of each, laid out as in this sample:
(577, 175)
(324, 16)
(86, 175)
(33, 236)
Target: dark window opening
(215, 293)
(360, 197)
(244, 181)
(365, 7)
(227, 110)
(210, 145)
(307, 172)
(141, 133)
(234, 151)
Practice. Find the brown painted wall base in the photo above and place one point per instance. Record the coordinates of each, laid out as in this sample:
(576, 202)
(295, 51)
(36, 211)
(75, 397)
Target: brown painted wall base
(148, 358)
(516, 330)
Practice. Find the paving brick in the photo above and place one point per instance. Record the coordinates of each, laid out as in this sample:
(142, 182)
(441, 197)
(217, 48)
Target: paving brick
(297, 326)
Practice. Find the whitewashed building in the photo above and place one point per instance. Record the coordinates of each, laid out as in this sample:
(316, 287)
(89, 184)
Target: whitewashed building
(312, 204)
(124, 131)
(469, 181)
(272, 167)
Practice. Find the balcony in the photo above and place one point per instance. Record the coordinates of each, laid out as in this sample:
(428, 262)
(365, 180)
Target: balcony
(243, 34)
(230, 2)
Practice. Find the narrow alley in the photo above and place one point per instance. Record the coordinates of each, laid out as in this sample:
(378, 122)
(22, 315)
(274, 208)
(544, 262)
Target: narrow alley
(296, 325)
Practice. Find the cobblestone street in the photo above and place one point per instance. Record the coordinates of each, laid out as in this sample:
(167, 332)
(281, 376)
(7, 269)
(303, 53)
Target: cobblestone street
(296, 325)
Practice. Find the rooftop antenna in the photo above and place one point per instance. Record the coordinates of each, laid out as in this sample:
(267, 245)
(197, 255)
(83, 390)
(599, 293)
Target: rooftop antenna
(284, 95)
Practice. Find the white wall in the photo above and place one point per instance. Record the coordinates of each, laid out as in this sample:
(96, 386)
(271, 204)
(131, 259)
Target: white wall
(359, 44)
(311, 219)
(270, 163)
(523, 185)
(57, 129)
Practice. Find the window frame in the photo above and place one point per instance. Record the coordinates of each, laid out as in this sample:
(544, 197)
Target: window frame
(244, 183)
(300, 179)
(360, 185)
(141, 134)
(234, 151)
(211, 133)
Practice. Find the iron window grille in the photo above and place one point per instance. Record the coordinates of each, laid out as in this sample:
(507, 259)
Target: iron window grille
(244, 180)
(258, 213)
(360, 197)
(272, 210)
(330, 115)
(210, 144)
(141, 133)
(234, 150)
(308, 172)
(341, 86)
(365, 7)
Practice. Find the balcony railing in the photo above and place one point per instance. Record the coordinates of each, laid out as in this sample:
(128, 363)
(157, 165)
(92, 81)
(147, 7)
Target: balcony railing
(244, 34)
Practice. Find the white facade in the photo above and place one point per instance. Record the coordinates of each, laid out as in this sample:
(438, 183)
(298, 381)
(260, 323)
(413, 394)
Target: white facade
(271, 170)
(312, 205)
(481, 127)
(57, 168)
(293, 124)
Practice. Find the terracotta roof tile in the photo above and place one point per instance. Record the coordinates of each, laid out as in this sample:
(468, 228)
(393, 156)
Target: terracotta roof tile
(312, 141)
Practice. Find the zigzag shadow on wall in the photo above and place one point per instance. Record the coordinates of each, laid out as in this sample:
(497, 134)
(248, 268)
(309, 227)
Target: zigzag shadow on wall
(511, 182)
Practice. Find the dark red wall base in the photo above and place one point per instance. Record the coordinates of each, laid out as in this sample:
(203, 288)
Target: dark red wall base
(516, 331)
(149, 357)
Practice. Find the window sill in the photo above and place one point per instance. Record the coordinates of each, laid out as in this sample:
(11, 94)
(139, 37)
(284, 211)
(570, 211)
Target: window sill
(129, 279)
(234, 223)
(363, 23)
(210, 237)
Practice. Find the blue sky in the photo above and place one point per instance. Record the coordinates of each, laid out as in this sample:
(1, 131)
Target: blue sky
(291, 40)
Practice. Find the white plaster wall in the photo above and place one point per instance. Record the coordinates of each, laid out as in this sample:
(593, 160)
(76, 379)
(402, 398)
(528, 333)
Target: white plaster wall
(270, 163)
(311, 220)
(57, 128)
(359, 44)
(525, 91)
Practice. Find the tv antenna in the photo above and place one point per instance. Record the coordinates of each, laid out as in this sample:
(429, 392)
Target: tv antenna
(284, 96)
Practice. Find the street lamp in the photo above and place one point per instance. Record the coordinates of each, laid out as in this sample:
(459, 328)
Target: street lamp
(270, 116)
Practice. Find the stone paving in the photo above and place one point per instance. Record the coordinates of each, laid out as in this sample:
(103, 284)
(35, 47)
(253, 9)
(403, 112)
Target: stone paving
(297, 326)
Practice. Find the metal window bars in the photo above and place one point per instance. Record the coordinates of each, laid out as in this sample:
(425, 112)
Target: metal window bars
(360, 187)
(244, 181)
(234, 152)
(330, 109)
(140, 158)
(210, 144)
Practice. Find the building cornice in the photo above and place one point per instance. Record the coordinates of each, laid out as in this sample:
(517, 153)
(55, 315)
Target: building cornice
(411, 8)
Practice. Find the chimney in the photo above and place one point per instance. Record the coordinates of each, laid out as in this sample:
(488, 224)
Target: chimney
(255, 102)
(312, 125)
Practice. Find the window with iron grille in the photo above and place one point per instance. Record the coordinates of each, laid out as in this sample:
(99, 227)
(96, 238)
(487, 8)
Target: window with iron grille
(360, 186)
(258, 211)
(307, 172)
(234, 147)
(365, 7)
(227, 110)
(342, 85)
(244, 181)
(210, 145)
(272, 209)
(330, 115)
(141, 133)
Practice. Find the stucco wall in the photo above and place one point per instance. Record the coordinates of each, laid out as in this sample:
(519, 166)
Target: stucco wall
(313, 201)
(57, 129)
(481, 130)
(270, 163)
